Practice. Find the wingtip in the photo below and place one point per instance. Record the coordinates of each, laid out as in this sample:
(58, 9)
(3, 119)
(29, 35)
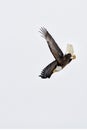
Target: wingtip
(42, 30)
(42, 77)
(39, 75)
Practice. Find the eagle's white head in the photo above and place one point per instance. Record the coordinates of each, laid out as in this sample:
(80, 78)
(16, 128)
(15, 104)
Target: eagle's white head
(70, 50)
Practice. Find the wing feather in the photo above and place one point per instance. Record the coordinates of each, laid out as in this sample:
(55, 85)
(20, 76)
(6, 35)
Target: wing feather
(48, 70)
(54, 48)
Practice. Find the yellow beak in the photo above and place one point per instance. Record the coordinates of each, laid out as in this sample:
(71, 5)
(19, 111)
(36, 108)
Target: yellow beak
(73, 57)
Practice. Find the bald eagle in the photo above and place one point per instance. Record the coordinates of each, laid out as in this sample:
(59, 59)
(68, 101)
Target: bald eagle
(61, 60)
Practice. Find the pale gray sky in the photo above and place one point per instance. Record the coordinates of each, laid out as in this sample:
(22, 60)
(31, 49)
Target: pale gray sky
(27, 101)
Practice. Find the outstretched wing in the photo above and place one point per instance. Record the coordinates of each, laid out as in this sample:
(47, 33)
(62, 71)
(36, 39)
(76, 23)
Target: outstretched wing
(54, 48)
(48, 70)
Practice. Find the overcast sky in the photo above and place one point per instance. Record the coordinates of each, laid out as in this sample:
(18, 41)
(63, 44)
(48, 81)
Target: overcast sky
(26, 100)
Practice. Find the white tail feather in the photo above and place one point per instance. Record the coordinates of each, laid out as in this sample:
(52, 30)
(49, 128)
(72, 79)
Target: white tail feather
(69, 49)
